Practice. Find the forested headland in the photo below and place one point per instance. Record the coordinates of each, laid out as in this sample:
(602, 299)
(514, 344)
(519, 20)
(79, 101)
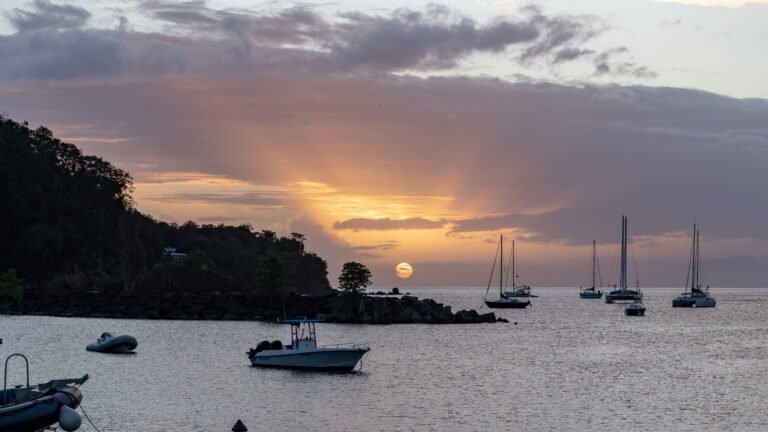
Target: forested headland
(68, 223)
(72, 243)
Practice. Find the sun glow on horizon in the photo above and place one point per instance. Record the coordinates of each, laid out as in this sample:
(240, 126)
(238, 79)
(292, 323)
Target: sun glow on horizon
(404, 270)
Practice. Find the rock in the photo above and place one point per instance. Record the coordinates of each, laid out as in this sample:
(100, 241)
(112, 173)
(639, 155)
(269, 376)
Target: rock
(395, 291)
(489, 317)
(237, 306)
(465, 316)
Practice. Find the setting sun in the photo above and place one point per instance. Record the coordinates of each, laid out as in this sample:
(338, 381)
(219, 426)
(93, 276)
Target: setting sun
(403, 270)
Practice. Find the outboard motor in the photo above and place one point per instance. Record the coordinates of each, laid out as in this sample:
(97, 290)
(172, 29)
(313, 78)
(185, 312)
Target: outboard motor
(276, 345)
(262, 346)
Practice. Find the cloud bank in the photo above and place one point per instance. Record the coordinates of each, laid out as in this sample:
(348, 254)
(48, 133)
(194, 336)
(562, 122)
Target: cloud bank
(316, 125)
(55, 42)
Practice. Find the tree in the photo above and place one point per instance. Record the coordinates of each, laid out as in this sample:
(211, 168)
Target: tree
(354, 277)
(10, 286)
(271, 274)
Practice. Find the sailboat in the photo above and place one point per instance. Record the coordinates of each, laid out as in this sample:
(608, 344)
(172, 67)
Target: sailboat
(591, 293)
(504, 301)
(624, 293)
(517, 290)
(697, 296)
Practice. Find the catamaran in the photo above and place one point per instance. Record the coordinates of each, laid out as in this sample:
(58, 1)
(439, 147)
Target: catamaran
(697, 296)
(504, 301)
(624, 293)
(592, 293)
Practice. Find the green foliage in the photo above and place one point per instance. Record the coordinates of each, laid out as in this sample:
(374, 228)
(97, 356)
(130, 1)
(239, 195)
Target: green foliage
(66, 213)
(59, 206)
(10, 286)
(271, 275)
(354, 277)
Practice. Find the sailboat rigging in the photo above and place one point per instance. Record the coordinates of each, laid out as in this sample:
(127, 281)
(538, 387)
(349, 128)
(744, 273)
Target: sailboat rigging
(592, 293)
(516, 290)
(504, 301)
(697, 296)
(623, 292)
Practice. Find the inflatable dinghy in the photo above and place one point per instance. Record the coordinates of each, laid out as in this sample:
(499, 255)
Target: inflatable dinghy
(33, 408)
(113, 344)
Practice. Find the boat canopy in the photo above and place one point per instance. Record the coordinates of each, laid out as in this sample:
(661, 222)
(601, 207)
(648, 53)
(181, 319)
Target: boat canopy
(299, 321)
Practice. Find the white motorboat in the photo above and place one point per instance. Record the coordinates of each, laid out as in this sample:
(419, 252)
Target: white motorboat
(623, 292)
(303, 352)
(698, 296)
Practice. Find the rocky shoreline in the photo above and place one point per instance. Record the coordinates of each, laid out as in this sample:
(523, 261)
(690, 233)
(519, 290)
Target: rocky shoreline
(338, 308)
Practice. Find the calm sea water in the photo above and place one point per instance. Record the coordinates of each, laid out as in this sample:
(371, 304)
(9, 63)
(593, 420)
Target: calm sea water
(568, 364)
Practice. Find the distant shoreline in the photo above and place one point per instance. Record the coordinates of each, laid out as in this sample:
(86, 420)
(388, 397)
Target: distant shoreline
(234, 306)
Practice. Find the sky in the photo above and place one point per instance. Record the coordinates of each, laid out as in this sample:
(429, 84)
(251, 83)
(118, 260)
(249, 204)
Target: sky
(420, 132)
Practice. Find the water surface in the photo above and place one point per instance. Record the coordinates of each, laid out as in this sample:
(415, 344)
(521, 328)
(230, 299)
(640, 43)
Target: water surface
(568, 364)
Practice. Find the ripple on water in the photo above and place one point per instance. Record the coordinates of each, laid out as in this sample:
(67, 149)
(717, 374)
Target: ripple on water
(569, 364)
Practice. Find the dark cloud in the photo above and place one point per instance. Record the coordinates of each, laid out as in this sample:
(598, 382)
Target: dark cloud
(53, 44)
(249, 199)
(293, 25)
(569, 54)
(47, 15)
(431, 40)
(607, 64)
(388, 224)
(560, 34)
(558, 163)
(377, 247)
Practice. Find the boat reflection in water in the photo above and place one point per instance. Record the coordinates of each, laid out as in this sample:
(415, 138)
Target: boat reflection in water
(303, 352)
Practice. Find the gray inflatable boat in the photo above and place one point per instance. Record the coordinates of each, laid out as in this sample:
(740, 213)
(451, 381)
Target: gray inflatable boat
(113, 344)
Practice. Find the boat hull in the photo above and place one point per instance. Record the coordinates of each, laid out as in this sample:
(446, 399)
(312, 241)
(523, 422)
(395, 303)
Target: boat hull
(507, 304)
(329, 359)
(591, 295)
(518, 295)
(691, 302)
(116, 345)
(39, 413)
(634, 312)
(623, 295)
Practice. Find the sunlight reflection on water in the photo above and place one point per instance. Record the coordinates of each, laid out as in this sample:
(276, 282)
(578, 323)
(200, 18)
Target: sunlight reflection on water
(569, 364)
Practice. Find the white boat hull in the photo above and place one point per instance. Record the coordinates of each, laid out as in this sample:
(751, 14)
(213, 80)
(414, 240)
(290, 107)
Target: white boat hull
(341, 359)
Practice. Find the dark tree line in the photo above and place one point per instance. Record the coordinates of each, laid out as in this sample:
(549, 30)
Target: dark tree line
(67, 221)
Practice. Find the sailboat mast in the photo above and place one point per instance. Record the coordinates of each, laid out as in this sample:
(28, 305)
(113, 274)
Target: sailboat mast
(623, 281)
(594, 257)
(501, 266)
(691, 276)
(514, 275)
(698, 256)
